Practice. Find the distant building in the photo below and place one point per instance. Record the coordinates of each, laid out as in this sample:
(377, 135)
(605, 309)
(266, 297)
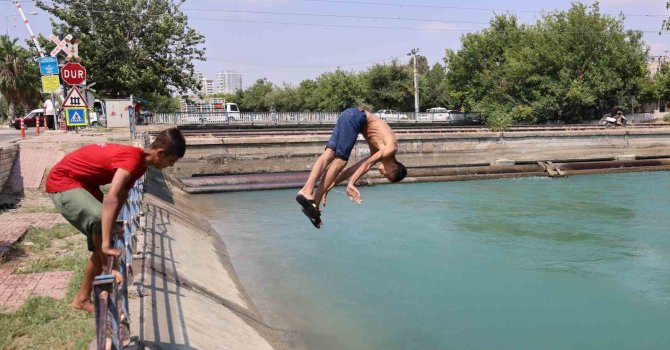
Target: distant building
(228, 82)
(199, 77)
(207, 86)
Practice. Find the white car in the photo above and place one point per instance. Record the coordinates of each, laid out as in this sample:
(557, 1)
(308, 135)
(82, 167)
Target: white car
(438, 114)
(389, 114)
(441, 114)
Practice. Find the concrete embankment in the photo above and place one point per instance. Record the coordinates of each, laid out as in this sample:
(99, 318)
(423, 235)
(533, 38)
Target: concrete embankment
(218, 162)
(189, 294)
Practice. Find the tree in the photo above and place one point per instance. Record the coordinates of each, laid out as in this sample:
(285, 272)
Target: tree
(432, 88)
(253, 98)
(388, 86)
(19, 77)
(660, 85)
(284, 99)
(338, 90)
(569, 65)
(131, 47)
(306, 98)
(162, 104)
(3, 109)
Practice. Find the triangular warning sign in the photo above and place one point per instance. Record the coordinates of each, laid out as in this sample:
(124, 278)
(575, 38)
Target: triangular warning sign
(74, 99)
(76, 117)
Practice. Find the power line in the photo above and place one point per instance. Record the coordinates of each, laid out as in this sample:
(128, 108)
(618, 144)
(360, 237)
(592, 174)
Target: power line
(333, 15)
(296, 66)
(312, 24)
(455, 7)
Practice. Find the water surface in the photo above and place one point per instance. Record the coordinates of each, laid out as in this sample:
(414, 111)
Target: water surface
(573, 263)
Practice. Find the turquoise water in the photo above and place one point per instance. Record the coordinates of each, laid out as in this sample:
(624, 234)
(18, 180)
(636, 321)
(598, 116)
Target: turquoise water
(574, 263)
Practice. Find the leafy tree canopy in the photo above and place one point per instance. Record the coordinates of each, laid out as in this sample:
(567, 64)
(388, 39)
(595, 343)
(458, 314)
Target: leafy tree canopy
(131, 47)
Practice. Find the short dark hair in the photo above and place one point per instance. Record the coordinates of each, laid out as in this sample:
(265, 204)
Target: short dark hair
(172, 141)
(400, 172)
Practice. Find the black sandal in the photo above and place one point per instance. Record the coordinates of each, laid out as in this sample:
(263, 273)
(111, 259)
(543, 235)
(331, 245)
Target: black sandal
(310, 209)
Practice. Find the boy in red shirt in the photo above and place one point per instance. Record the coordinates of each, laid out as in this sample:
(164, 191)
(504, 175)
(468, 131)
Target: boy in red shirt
(74, 184)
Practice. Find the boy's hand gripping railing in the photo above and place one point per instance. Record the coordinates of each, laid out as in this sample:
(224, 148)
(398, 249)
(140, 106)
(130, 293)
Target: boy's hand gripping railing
(110, 289)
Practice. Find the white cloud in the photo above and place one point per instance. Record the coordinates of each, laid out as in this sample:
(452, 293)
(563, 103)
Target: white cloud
(439, 26)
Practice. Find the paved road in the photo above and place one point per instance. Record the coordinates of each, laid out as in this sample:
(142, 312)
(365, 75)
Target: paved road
(10, 134)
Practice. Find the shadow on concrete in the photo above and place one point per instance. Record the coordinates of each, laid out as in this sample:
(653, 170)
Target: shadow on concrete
(158, 185)
(167, 327)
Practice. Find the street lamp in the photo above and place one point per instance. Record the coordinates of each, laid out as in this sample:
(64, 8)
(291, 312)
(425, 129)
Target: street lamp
(34, 13)
(7, 23)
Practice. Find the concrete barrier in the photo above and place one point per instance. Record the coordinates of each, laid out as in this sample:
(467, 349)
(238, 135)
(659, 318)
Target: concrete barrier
(8, 155)
(274, 160)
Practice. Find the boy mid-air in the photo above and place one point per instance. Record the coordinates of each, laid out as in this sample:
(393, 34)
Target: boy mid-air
(328, 168)
(74, 184)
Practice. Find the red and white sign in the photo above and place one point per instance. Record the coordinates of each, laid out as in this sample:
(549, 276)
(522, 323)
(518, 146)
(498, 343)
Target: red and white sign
(74, 99)
(73, 73)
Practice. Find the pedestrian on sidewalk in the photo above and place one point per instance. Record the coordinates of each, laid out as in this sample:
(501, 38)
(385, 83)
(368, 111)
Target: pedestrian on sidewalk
(50, 114)
(74, 184)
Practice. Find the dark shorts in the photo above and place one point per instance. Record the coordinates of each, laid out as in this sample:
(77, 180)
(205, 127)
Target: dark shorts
(350, 123)
(82, 210)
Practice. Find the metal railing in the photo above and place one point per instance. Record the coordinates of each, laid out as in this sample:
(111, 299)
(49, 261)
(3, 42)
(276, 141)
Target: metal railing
(297, 118)
(110, 298)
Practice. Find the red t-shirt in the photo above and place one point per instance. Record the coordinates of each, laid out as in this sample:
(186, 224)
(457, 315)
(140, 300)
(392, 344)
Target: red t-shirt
(92, 166)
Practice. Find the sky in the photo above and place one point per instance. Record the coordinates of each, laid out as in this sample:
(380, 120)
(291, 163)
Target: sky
(287, 41)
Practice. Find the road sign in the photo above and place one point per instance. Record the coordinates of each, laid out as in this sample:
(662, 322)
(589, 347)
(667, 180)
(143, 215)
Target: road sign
(76, 116)
(48, 65)
(74, 99)
(73, 73)
(50, 84)
(60, 44)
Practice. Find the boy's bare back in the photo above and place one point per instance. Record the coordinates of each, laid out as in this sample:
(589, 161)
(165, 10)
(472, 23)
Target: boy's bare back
(379, 135)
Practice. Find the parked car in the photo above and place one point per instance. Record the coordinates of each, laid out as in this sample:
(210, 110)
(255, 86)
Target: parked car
(455, 117)
(30, 119)
(389, 114)
(438, 114)
(441, 114)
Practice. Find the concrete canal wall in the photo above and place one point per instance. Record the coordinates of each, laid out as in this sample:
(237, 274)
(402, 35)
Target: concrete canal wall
(429, 156)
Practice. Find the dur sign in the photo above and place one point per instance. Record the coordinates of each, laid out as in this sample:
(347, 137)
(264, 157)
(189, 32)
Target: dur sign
(73, 73)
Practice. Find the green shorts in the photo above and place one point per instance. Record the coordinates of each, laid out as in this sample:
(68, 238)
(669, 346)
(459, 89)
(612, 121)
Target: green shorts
(82, 210)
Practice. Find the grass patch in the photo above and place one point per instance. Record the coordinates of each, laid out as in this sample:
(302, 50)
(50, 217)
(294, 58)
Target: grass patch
(61, 248)
(70, 262)
(38, 239)
(42, 322)
(45, 323)
(666, 118)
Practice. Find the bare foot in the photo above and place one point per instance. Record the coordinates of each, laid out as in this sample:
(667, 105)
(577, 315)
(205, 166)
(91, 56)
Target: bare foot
(86, 305)
(308, 196)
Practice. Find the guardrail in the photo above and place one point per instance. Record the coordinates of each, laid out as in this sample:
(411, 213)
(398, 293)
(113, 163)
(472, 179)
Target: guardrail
(110, 298)
(296, 118)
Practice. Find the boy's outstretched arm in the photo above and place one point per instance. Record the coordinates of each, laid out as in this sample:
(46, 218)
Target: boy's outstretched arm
(111, 205)
(345, 174)
(363, 168)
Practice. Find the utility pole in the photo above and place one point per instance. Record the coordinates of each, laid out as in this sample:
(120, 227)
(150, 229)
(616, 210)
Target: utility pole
(416, 81)
(659, 62)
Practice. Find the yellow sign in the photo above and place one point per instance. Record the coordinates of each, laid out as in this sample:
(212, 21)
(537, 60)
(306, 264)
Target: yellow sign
(50, 83)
